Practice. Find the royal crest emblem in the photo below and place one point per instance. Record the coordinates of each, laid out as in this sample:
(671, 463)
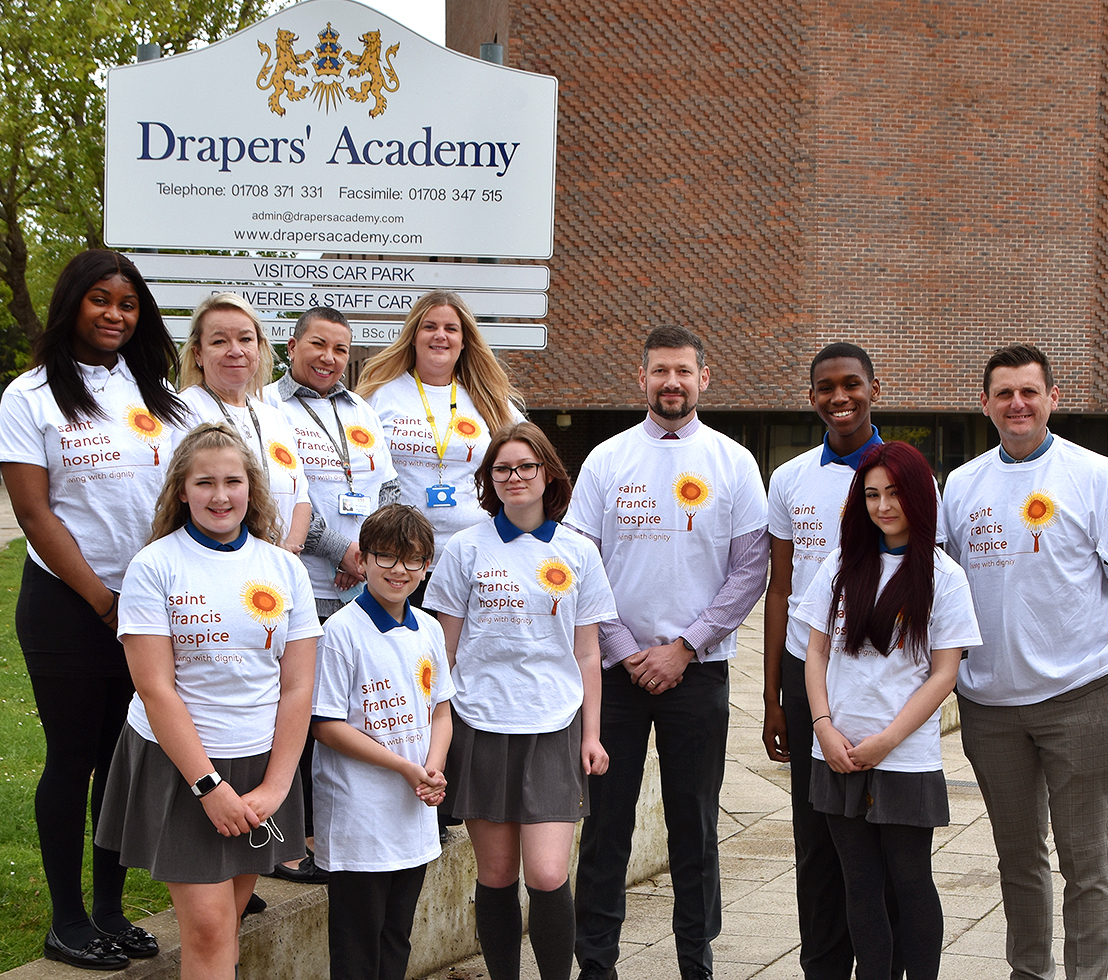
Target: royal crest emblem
(279, 72)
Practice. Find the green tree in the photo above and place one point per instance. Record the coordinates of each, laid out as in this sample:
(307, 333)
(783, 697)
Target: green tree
(54, 55)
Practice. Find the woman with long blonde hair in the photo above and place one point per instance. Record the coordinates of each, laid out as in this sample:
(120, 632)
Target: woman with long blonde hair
(440, 393)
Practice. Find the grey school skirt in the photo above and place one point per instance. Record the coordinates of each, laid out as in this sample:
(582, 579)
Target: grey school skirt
(516, 778)
(152, 818)
(912, 799)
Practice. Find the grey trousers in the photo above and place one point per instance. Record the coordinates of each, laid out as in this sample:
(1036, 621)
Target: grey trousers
(1040, 764)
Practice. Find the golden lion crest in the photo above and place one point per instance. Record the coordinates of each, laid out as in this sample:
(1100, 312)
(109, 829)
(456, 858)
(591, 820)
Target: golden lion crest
(369, 62)
(287, 61)
(327, 66)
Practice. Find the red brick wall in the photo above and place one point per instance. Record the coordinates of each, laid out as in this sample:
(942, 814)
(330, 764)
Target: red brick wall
(924, 178)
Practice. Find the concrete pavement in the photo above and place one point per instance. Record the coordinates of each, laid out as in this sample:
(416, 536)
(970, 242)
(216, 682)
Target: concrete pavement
(760, 938)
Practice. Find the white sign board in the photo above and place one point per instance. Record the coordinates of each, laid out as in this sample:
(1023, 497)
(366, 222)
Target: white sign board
(329, 127)
(343, 272)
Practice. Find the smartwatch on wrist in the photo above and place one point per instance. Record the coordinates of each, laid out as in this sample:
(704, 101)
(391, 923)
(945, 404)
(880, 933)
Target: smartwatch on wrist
(688, 645)
(205, 784)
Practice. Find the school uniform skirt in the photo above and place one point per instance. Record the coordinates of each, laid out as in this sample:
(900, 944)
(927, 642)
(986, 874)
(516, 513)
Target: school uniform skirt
(151, 816)
(516, 778)
(912, 799)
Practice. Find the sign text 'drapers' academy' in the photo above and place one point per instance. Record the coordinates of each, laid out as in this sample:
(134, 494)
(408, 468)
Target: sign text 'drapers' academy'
(329, 127)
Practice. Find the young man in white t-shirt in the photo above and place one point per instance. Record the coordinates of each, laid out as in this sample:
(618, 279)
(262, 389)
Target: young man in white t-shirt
(1028, 521)
(806, 496)
(381, 717)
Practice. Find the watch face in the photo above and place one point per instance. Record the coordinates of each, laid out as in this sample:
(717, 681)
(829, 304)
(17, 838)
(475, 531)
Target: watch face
(205, 784)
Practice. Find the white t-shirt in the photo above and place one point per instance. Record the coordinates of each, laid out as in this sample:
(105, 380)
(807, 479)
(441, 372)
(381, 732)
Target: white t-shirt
(514, 669)
(229, 615)
(281, 461)
(867, 692)
(805, 506)
(386, 685)
(412, 445)
(370, 465)
(665, 511)
(105, 474)
(1033, 539)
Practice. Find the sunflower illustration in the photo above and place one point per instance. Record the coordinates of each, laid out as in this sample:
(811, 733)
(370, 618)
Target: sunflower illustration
(426, 675)
(284, 458)
(470, 431)
(144, 426)
(556, 579)
(692, 492)
(266, 605)
(363, 439)
(1038, 511)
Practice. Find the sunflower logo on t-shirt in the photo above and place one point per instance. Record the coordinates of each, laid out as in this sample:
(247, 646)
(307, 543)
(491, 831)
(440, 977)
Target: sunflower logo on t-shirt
(145, 427)
(470, 431)
(266, 605)
(426, 675)
(556, 579)
(692, 493)
(284, 458)
(363, 439)
(1038, 512)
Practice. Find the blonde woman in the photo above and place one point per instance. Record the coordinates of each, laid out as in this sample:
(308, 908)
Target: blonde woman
(440, 393)
(225, 363)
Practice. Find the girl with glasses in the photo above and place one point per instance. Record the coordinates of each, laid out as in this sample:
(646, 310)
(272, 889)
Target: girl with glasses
(219, 626)
(520, 598)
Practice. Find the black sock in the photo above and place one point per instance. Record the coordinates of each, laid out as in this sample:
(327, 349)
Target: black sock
(500, 929)
(552, 927)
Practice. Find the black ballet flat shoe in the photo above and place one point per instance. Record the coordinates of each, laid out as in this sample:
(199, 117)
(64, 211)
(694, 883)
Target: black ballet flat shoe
(97, 954)
(135, 942)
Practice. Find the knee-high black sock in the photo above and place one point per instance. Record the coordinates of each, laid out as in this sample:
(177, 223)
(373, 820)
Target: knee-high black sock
(500, 929)
(552, 928)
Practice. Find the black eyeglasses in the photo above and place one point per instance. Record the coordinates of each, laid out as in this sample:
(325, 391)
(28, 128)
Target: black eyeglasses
(525, 471)
(385, 560)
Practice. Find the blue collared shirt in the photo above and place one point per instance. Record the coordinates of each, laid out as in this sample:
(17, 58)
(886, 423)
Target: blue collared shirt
(381, 619)
(509, 532)
(202, 539)
(1043, 447)
(853, 459)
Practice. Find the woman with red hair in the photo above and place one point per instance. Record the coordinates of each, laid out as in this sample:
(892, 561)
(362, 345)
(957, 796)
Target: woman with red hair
(889, 614)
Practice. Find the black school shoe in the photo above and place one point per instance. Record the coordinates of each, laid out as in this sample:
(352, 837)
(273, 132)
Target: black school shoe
(97, 954)
(306, 872)
(134, 941)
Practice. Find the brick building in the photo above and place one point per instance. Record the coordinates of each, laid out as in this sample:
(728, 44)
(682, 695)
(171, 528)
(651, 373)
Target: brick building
(926, 178)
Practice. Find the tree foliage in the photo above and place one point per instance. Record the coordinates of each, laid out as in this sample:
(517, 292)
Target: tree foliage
(54, 55)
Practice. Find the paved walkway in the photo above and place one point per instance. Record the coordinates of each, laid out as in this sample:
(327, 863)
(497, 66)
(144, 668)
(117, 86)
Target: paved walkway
(9, 529)
(760, 937)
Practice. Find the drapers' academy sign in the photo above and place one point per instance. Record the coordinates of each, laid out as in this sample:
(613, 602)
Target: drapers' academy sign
(328, 127)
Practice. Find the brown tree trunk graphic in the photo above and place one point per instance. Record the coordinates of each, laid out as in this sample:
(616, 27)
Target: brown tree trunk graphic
(470, 456)
(689, 528)
(156, 461)
(269, 630)
(554, 608)
(1036, 537)
(372, 467)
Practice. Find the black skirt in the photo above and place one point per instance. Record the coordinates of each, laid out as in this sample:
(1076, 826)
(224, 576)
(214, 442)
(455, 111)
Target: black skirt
(516, 778)
(61, 634)
(151, 816)
(912, 799)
